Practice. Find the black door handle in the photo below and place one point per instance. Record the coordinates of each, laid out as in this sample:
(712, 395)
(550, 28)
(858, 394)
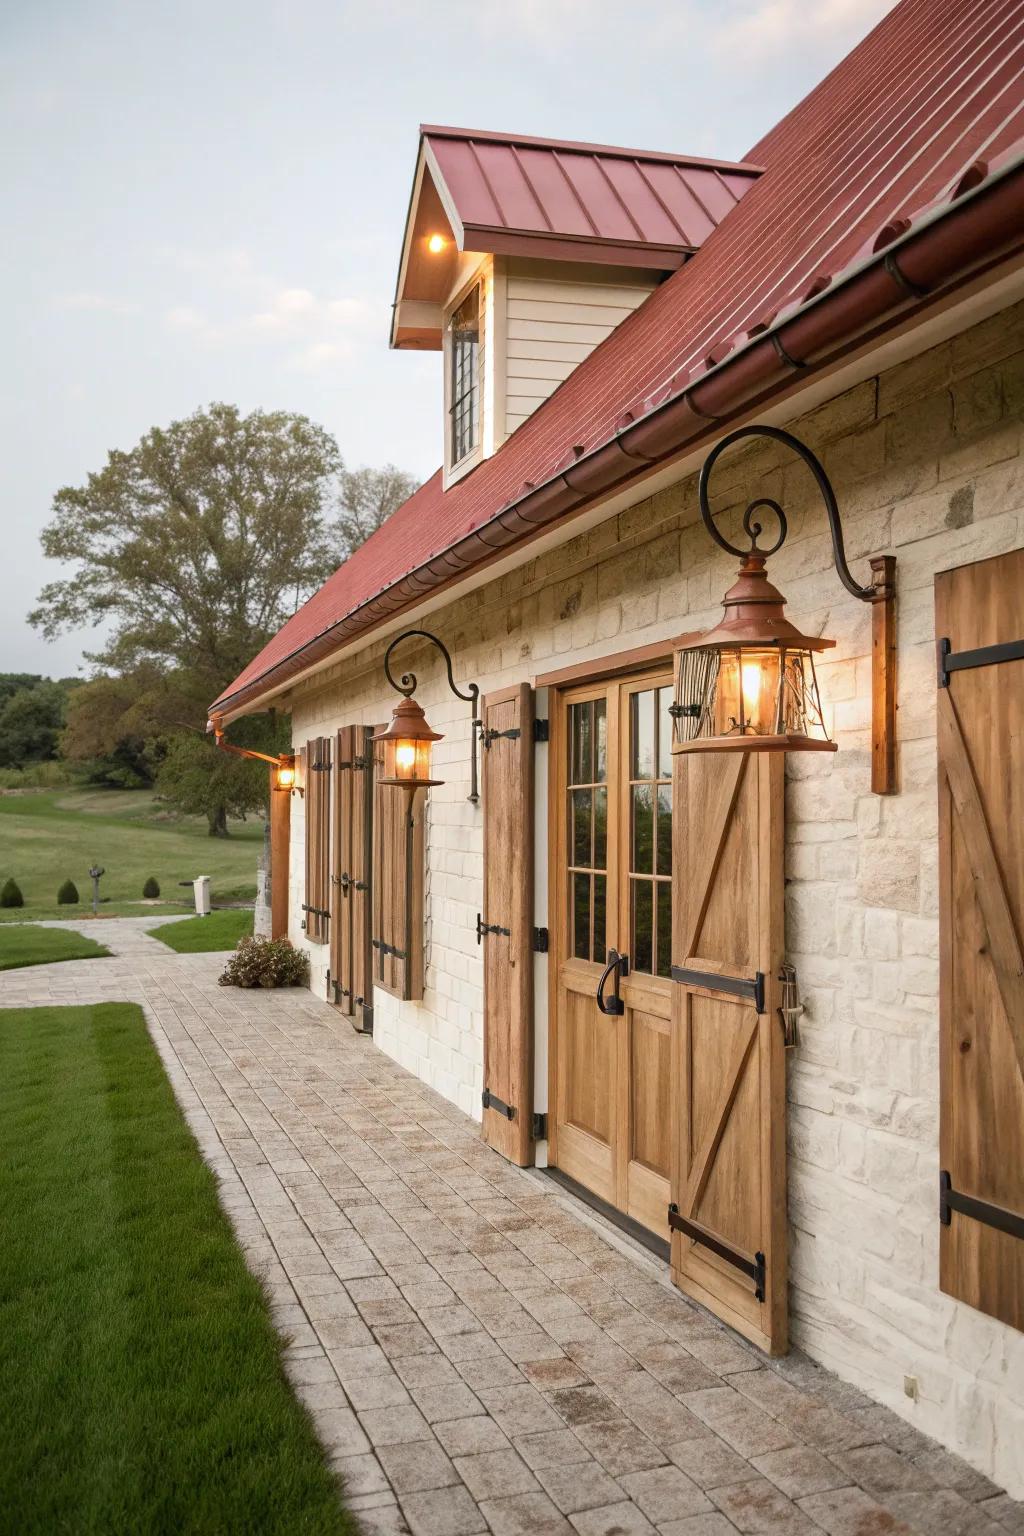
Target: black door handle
(618, 965)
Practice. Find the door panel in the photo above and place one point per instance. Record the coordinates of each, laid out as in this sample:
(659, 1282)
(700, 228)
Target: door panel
(611, 811)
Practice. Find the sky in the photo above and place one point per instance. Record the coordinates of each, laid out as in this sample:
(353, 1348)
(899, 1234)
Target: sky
(205, 201)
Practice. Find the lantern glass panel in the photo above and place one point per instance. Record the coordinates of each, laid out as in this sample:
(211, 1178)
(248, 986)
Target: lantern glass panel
(747, 693)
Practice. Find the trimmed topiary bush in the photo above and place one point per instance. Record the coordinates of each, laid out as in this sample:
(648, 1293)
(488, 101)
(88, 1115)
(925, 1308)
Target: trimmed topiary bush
(266, 963)
(11, 895)
(67, 896)
(151, 888)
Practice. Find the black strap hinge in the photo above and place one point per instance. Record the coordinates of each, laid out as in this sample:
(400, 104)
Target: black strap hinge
(488, 736)
(984, 656)
(541, 731)
(997, 1216)
(491, 1101)
(316, 911)
(754, 1267)
(483, 928)
(388, 949)
(540, 941)
(736, 986)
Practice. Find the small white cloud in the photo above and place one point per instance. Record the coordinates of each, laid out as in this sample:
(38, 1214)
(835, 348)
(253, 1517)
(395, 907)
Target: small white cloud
(184, 318)
(317, 356)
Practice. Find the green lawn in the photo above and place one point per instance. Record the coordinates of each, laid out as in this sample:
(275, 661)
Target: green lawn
(54, 835)
(143, 1388)
(38, 946)
(196, 935)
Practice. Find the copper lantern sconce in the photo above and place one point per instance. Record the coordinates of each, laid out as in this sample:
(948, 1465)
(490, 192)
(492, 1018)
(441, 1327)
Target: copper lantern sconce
(408, 739)
(284, 779)
(750, 684)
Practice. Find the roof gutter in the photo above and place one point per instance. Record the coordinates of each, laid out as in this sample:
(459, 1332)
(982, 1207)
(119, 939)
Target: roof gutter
(910, 265)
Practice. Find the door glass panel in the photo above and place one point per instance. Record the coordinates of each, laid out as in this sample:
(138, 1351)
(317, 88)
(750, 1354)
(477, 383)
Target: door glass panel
(642, 952)
(664, 829)
(664, 933)
(600, 741)
(587, 811)
(643, 829)
(600, 894)
(600, 828)
(664, 734)
(642, 747)
(581, 825)
(581, 728)
(581, 916)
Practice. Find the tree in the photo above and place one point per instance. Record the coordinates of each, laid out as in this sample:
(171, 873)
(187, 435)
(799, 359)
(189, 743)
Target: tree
(201, 780)
(367, 498)
(30, 723)
(197, 543)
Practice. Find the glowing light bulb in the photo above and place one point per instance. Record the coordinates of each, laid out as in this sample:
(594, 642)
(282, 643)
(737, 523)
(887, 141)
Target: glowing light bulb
(285, 778)
(436, 244)
(751, 684)
(405, 755)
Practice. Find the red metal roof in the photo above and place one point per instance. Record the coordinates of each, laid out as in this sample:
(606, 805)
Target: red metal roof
(933, 88)
(525, 190)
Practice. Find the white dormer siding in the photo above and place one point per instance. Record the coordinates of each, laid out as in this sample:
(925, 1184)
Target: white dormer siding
(556, 313)
(538, 320)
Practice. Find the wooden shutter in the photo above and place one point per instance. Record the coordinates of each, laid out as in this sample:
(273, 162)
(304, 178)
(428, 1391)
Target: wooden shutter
(979, 612)
(316, 907)
(351, 882)
(506, 923)
(728, 1054)
(397, 899)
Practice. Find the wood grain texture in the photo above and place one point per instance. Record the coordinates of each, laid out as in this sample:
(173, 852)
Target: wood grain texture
(883, 679)
(507, 781)
(728, 1061)
(280, 860)
(980, 731)
(318, 847)
(351, 877)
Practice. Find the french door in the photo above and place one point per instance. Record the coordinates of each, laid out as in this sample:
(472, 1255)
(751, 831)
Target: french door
(612, 899)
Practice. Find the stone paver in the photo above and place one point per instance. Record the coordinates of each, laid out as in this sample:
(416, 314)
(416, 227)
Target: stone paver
(480, 1354)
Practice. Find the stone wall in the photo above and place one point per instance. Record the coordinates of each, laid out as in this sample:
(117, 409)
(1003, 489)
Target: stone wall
(926, 463)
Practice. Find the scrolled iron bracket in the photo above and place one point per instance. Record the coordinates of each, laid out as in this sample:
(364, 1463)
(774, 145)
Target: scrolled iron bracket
(874, 592)
(406, 685)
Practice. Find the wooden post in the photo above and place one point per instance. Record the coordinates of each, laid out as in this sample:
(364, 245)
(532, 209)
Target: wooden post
(883, 676)
(280, 839)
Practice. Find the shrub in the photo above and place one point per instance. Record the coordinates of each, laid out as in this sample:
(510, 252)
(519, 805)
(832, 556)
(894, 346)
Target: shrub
(11, 895)
(266, 963)
(68, 896)
(151, 888)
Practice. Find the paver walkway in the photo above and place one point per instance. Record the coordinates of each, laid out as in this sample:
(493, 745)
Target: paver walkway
(478, 1353)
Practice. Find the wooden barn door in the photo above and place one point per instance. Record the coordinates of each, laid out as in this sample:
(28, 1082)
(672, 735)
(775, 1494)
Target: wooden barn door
(505, 927)
(728, 1056)
(612, 893)
(352, 876)
(980, 726)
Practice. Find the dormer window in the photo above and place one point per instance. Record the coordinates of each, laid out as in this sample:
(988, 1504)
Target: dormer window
(464, 407)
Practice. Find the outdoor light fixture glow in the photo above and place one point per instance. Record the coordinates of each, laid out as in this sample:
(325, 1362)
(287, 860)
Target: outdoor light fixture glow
(407, 740)
(749, 684)
(284, 775)
(406, 743)
(436, 244)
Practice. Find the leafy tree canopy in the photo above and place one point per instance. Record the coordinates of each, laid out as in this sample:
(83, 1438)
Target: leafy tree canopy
(367, 498)
(198, 543)
(31, 720)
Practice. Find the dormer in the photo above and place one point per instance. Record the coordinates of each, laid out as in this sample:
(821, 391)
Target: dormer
(521, 255)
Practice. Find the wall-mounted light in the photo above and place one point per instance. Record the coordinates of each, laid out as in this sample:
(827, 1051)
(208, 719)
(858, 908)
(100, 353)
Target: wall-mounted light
(436, 244)
(407, 740)
(749, 684)
(284, 777)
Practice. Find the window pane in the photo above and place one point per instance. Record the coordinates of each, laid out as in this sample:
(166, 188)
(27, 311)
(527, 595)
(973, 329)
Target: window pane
(641, 753)
(581, 732)
(643, 829)
(664, 928)
(642, 956)
(664, 734)
(581, 916)
(600, 742)
(600, 884)
(581, 815)
(600, 828)
(664, 829)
